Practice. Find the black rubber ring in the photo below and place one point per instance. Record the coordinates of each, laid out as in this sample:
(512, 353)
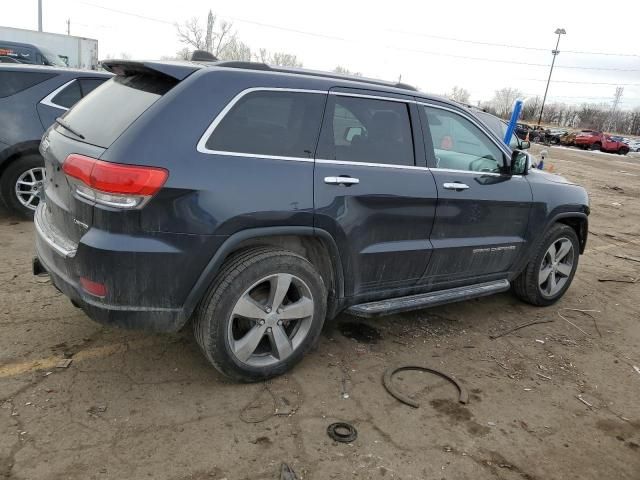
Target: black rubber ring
(333, 431)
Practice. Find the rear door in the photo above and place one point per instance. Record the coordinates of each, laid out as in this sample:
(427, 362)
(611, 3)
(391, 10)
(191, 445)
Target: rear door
(370, 193)
(482, 214)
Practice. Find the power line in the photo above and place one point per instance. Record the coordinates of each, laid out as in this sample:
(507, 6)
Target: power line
(392, 47)
(511, 62)
(582, 83)
(506, 45)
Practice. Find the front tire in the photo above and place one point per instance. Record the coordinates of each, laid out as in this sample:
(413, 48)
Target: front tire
(263, 312)
(20, 183)
(550, 272)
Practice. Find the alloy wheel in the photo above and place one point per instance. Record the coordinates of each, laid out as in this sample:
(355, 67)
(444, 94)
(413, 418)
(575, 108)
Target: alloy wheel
(556, 267)
(28, 185)
(270, 320)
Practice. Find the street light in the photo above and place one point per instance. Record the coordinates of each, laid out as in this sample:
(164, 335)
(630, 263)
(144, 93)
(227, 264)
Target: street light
(559, 31)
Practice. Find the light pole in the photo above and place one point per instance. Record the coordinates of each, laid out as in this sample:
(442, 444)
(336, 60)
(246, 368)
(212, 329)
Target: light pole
(39, 15)
(559, 31)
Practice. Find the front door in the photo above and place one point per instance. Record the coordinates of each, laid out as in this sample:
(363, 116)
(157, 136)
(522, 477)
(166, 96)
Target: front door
(370, 194)
(482, 214)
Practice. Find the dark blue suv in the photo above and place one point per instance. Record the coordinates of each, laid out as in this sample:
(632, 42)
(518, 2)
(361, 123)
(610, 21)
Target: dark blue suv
(255, 202)
(31, 98)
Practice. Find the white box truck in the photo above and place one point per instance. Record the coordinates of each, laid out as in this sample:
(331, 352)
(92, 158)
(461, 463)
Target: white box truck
(76, 52)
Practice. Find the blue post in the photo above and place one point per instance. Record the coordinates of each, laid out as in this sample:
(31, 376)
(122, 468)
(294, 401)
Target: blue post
(517, 108)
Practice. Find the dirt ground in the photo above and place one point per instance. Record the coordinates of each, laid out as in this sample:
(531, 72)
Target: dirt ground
(551, 401)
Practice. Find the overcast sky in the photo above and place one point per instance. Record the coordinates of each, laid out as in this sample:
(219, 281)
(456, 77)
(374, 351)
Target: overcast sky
(392, 39)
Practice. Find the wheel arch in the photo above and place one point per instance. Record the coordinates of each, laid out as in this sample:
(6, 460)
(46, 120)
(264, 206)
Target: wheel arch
(576, 220)
(314, 244)
(16, 151)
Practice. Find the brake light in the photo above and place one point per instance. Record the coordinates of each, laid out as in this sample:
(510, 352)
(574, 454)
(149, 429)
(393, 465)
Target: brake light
(113, 184)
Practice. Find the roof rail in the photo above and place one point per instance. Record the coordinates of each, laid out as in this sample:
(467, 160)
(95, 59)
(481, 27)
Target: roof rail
(316, 73)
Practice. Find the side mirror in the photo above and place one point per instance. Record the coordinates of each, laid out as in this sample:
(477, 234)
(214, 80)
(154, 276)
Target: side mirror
(520, 163)
(525, 144)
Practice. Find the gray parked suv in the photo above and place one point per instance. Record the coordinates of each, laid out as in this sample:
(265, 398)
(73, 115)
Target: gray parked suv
(31, 98)
(256, 202)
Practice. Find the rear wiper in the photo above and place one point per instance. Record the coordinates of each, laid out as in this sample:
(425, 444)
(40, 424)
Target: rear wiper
(66, 126)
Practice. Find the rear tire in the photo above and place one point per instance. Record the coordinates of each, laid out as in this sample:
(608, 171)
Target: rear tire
(530, 285)
(623, 151)
(243, 328)
(14, 184)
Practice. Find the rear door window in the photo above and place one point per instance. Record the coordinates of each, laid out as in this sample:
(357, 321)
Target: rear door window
(88, 85)
(12, 82)
(367, 130)
(272, 123)
(121, 100)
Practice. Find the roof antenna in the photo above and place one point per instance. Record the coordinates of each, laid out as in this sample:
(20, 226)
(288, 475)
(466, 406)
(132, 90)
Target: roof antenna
(203, 56)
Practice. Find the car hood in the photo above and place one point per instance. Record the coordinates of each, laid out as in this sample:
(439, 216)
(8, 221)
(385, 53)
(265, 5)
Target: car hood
(551, 177)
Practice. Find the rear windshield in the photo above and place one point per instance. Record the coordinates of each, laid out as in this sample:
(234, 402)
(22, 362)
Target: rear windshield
(12, 82)
(110, 109)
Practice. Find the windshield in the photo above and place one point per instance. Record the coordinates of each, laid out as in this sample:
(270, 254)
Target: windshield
(51, 58)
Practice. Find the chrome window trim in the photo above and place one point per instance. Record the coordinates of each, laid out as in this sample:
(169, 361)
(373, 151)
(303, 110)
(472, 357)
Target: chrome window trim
(473, 172)
(372, 97)
(201, 146)
(48, 100)
(368, 164)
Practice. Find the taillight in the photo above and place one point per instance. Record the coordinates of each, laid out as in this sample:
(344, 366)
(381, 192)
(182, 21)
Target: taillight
(94, 288)
(113, 184)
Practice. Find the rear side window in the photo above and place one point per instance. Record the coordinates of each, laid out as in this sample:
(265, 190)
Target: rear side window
(367, 130)
(120, 101)
(15, 82)
(283, 124)
(68, 96)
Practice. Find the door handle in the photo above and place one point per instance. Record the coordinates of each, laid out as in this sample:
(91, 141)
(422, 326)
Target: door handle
(455, 186)
(341, 181)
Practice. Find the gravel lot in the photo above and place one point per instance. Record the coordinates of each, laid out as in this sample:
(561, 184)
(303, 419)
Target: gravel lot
(551, 401)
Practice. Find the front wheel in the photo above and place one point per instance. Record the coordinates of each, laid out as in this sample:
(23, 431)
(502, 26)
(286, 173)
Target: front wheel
(264, 311)
(549, 273)
(623, 151)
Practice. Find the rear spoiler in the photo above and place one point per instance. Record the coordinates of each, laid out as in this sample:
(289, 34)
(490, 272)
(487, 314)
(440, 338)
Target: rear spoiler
(176, 70)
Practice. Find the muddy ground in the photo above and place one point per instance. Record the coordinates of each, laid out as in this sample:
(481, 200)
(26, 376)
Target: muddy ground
(551, 401)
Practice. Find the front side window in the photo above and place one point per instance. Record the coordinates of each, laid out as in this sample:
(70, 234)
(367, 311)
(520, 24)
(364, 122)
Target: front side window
(274, 123)
(12, 81)
(458, 144)
(367, 130)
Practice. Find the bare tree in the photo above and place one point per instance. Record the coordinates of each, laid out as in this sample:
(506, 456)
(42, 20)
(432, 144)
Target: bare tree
(279, 59)
(459, 94)
(218, 38)
(503, 100)
(345, 71)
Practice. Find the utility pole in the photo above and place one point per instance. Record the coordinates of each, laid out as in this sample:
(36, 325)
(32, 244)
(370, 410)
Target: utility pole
(39, 15)
(68, 26)
(611, 123)
(559, 31)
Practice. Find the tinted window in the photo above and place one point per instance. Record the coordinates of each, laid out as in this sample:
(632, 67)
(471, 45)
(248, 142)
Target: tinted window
(121, 100)
(12, 82)
(367, 130)
(68, 96)
(460, 145)
(22, 54)
(282, 124)
(88, 85)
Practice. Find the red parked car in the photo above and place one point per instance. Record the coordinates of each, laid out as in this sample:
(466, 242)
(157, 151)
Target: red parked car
(590, 139)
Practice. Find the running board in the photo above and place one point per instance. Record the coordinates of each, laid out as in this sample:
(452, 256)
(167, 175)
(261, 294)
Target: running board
(424, 300)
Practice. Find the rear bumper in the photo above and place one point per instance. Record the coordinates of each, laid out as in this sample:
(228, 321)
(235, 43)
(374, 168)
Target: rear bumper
(148, 276)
